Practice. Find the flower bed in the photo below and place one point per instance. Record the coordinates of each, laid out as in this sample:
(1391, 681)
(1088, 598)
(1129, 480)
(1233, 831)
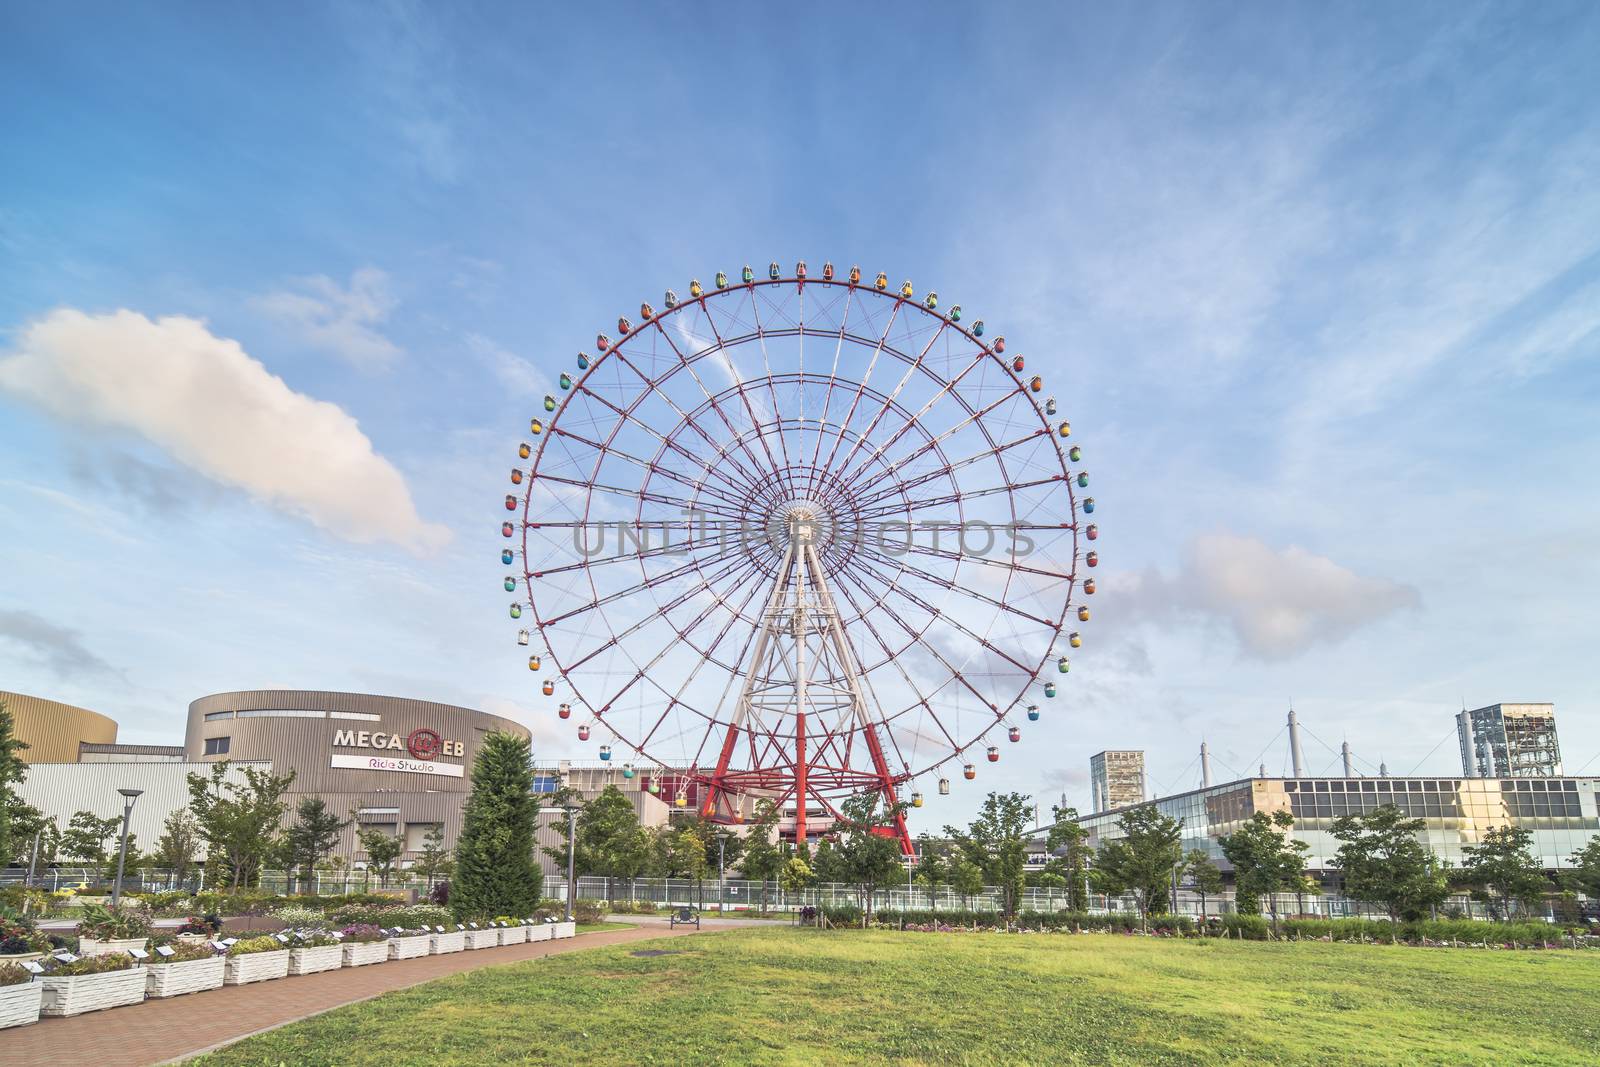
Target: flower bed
(541, 932)
(364, 944)
(318, 956)
(483, 938)
(447, 941)
(257, 959)
(19, 996)
(91, 983)
(513, 935)
(190, 969)
(103, 931)
(409, 946)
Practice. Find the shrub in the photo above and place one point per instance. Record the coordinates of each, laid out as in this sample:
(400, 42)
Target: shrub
(440, 893)
(588, 911)
(183, 952)
(251, 945)
(842, 914)
(314, 938)
(109, 924)
(14, 974)
(362, 933)
(93, 965)
(1246, 927)
(206, 926)
(301, 917)
(18, 934)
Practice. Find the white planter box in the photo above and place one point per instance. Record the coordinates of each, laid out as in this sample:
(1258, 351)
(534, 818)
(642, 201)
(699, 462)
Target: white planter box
(482, 938)
(78, 993)
(187, 976)
(315, 958)
(88, 946)
(442, 943)
(409, 948)
(566, 929)
(513, 935)
(256, 967)
(359, 955)
(19, 1004)
(541, 932)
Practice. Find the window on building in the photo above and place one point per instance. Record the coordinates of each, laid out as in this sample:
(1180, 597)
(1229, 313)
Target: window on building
(217, 746)
(360, 716)
(281, 713)
(213, 716)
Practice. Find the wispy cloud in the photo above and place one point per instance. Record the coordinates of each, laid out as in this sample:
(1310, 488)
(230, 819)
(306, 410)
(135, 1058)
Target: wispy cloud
(1278, 602)
(343, 320)
(56, 648)
(216, 410)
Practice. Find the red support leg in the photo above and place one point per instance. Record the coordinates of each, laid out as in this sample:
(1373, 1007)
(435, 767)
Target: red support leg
(886, 786)
(708, 807)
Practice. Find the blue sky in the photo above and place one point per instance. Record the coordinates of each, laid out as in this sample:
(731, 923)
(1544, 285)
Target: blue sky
(1322, 285)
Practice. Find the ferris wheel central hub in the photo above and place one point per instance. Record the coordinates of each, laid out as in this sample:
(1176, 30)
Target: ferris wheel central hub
(801, 523)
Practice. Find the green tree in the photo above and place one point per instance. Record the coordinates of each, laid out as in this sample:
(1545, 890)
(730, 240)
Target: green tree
(1502, 868)
(966, 878)
(315, 833)
(1586, 868)
(434, 861)
(382, 849)
(763, 859)
(12, 771)
(1068, 841)
(27, 822)
(1142, 861)
(933, 867)
(132, 862)
(795, 876)
(496, 873)
(239, 820)
(1384, 863)
(866, 856)
(994, 841)
(1207, 877)
(611, 843)
(179, 844)
(87, 836)
(1266, 858)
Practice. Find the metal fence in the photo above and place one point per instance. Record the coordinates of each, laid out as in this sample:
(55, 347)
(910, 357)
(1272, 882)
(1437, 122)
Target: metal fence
(737, 894)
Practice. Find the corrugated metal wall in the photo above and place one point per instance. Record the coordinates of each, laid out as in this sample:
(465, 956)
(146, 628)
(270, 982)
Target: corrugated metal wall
(61, 790)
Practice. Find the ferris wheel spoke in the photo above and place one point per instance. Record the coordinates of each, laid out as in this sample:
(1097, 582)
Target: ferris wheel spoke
(946, 388)
(645, 465)
(861, 386)
(625, 493)
(638, 587)
(889, 399)
(699, 462)
(684, 417)
(948, 468)
(833, 374)
(786, 471)
(771, 465)
(957, 497)
(966, 589)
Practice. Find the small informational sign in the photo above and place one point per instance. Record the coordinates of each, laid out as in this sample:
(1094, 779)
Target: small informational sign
(284, 938)
(164, 951)
(31, 967)
(230, 941)
(440, 929)
(473, 925)
(66, 957)
(460, 927)
(220, 946)
(138, 953)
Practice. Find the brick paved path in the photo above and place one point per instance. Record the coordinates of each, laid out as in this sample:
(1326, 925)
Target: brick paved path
(159, 1031)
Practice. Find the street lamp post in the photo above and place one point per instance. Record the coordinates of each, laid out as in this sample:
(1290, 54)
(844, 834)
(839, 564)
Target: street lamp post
(722, 880)
(572, 859)
(128, 797)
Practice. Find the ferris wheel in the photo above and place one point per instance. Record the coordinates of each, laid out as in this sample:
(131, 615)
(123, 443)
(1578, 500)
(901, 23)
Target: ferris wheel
(799, 537)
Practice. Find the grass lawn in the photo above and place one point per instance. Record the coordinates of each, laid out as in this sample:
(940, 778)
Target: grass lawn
(787, 996)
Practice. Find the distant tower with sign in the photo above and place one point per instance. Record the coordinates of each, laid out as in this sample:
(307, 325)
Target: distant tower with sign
(1117, 777)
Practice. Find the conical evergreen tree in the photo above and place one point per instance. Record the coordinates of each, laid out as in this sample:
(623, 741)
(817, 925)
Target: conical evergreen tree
(496, 873)
(12, 771)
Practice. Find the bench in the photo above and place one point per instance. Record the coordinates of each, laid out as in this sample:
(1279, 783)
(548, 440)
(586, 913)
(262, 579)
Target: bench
(684, 917)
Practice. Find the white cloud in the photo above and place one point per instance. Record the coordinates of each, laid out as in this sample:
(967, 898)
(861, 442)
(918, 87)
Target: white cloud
(343, 321)
(1278, 603)
(215, 409)
(514, 372)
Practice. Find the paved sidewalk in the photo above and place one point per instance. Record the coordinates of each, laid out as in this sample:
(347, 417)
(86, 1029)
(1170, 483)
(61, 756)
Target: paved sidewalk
(161, 1031)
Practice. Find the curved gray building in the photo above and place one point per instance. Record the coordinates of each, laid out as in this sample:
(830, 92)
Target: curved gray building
(390, 763)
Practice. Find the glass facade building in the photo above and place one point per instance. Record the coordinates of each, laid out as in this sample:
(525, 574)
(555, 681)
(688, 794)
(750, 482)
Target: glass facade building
(1117, 777)
(1509, 741)
(1563, 814)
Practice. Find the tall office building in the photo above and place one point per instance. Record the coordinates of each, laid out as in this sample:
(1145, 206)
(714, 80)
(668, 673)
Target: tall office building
(1509, 741)
(1117, 777)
